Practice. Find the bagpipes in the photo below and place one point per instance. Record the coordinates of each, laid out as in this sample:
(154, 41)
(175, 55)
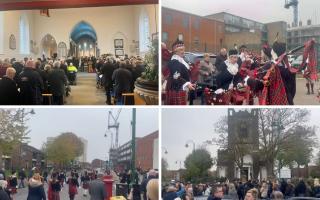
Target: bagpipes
(273, 92)
(235, 96)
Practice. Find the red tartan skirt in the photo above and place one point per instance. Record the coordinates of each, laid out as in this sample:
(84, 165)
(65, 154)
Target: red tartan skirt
(174, 97)
(13, 190)
(55, 196)
(85, 185)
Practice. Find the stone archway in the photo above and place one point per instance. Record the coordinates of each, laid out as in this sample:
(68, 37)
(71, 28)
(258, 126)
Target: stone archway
(84, 40)
(49, 46)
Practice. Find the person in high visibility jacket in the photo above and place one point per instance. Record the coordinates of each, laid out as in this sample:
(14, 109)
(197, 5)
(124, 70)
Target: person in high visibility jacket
(72, 68)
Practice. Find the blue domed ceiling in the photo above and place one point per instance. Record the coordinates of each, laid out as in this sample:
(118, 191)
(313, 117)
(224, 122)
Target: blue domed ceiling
(82, 30)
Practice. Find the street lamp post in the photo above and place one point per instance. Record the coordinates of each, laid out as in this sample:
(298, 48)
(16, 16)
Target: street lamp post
(24, 115)
(133, 146)
(193, 143)
(178, 174)
(165, 151)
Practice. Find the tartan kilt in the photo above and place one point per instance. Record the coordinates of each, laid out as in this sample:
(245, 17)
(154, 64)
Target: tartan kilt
(239, 97)
(13, 190)
(55, 196)
(222, 99)
(174, 97)
(85, 185)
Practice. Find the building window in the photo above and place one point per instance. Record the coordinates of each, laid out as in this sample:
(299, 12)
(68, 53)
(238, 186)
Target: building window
(196, 24)
(196, 41)
(180, 37)
(164, 36)
(220, 28)
(62, 50)
(24, 35)
(144, 40)
(185, 22)
(168, 19)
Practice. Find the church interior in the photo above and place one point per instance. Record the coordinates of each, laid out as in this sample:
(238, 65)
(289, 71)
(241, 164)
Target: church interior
(85, 34)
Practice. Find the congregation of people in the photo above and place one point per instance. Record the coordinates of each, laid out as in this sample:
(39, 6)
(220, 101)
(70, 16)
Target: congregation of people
(243, 190)
(46, 81)
(48, 184)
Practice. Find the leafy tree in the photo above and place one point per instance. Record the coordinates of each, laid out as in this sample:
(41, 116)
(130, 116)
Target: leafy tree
(197, 164)
(64, 149)
(164, 168)
(297, 149)
(13, 130)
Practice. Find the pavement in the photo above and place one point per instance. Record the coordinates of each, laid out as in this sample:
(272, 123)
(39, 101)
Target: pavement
(85, 92)
(23, 193)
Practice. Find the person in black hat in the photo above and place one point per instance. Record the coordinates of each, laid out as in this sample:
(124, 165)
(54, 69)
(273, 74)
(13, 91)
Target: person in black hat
(288, 78)
(179, 76)
(229, 77)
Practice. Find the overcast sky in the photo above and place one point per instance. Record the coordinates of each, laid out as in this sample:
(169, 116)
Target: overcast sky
(197, 124)
(91, 124)
(260, 10)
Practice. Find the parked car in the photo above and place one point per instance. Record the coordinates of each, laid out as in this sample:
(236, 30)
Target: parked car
(194, 60)
(297, 61)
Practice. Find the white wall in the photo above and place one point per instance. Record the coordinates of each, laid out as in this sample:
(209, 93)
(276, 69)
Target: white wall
(11, 26)
(116, 22)
(155, 163)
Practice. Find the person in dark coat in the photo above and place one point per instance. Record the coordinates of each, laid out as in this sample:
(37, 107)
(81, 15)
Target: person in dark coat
(220, 59)
(179, 80)
(217, 193)
(22, 176)
(64, 67)
(301, 189)
(288, 78)
(316, 188)
(31, 85)
(138, 68)
(73, 185)
(8, 88)
(55, 188)
(97, 189)
(107, 70)
(171, 193)
(122, 79)
(18, 66)
(3, 192)
(36, 190)
(151, 175)
(229, 77)
(85, 179)
(57, 80)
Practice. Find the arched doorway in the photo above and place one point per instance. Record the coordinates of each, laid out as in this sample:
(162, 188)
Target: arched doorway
(83, 40)
(49, 46)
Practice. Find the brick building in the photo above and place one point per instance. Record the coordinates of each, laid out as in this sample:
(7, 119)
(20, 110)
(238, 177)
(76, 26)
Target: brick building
(212, 32)
(199, 34)
(146, 153)
(253, 34)
(297, 36)
(25, 156)
(97, 163)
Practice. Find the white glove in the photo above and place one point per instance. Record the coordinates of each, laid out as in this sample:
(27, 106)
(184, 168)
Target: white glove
(219, 91)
